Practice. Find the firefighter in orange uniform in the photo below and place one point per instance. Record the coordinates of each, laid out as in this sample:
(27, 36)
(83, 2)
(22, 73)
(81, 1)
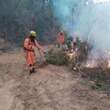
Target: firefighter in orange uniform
(61, 39)
(29, 44)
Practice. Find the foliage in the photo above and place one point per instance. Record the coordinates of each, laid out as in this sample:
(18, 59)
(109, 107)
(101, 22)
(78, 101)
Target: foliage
(18, 17)
(59, 56)
(56, 56)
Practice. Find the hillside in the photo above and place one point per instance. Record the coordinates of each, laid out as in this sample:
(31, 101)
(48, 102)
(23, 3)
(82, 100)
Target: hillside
(50, 88)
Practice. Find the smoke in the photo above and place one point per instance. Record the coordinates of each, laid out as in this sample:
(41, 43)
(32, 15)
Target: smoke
(90, 18)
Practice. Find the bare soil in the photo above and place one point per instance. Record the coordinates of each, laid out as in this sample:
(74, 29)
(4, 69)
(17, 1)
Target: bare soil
(50, 88)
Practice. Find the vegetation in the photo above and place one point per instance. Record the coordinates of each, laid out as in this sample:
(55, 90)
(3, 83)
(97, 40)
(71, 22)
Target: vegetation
(59, 56)
(17, 17)
(56, 56)
(99, 75)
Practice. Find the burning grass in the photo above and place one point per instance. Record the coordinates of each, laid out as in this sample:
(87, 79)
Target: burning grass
(100, 77)
(97, 71)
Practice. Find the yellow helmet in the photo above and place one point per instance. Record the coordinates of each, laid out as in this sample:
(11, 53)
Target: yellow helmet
(33, 33)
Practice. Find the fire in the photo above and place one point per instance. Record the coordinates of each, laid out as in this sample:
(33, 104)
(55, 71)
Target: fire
(91, 64)
(109, 64)
(71, 55)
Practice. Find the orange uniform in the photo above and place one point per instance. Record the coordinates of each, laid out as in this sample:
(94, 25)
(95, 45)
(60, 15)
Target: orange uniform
(29, 46)
(61, 38)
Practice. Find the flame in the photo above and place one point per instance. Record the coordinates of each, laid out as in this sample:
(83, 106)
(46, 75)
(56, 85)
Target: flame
(71, 55)
(109, 64)
(91, 64)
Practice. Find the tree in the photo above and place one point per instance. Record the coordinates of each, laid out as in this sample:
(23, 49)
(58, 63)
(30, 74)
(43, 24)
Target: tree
(17, 17)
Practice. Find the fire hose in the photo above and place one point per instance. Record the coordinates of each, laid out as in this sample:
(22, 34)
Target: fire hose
(42, 59)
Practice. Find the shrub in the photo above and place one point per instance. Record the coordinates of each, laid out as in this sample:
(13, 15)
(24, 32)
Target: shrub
(56, 56)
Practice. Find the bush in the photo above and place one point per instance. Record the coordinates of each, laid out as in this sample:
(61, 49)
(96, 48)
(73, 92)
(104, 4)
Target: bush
(56, 56)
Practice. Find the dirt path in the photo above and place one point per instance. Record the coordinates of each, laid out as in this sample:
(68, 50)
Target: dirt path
(6, 98)
(51, 88)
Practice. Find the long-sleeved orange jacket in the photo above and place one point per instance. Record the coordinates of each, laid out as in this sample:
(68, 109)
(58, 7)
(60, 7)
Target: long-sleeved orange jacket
(29, 46)
(61, 38)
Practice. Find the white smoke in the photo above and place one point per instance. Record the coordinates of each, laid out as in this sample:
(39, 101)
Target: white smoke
(91, 18)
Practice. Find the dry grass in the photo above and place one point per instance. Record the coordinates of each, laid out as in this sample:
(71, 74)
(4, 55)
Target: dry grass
(51, 88)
